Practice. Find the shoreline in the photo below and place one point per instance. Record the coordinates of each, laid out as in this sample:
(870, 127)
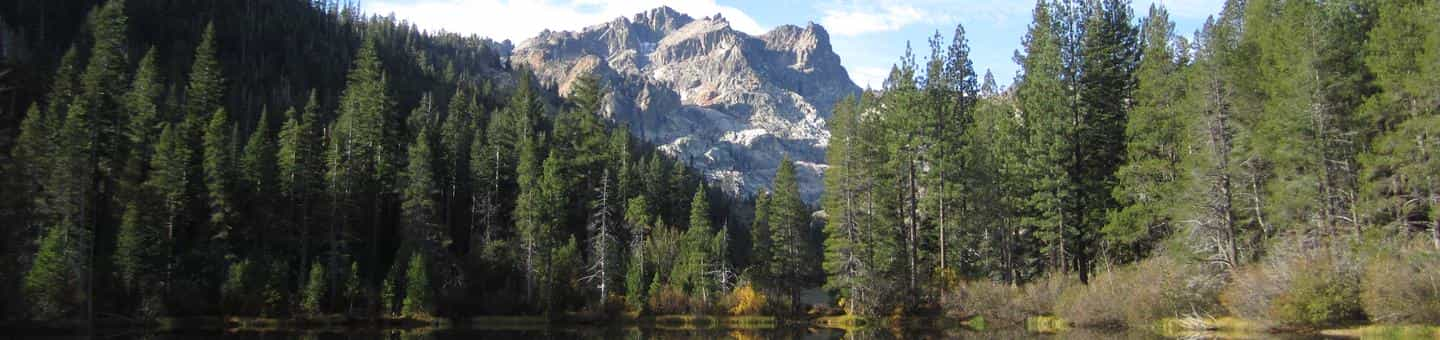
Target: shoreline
(1170, 327)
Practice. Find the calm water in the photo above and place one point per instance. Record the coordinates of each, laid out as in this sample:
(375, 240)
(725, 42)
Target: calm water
(630, 333)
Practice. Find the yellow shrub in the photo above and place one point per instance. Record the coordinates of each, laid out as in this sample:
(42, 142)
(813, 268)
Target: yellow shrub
(748, 301)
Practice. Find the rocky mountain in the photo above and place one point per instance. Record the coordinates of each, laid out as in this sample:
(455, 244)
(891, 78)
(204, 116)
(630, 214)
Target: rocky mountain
(729, 103)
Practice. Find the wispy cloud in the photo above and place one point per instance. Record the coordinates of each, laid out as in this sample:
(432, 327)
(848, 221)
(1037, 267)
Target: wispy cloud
(518, 20)
(856, 18)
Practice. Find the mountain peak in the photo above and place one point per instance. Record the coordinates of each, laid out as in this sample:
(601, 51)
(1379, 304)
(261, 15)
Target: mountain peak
(662, 17)
(732, 103)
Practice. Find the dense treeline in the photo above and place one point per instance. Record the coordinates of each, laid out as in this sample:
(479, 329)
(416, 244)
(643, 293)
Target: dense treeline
(1281, 130)
(293, 158)
(1278, 164)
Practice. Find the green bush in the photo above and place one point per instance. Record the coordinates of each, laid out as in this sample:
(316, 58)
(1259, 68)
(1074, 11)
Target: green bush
(1319, 297)
(274, 291)
(235, 292)
(1403, 288)
(314, 292)
(418, 302)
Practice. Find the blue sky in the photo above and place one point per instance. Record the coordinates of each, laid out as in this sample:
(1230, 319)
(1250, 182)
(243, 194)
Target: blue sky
(869, 35)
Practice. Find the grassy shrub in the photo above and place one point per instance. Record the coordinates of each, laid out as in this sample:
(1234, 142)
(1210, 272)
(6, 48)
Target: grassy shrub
(1102, 303)
(1039, 297)
(1250, 292)
(669, 300)
(996, 301)
(1319, 288)
(1403, 288)
(747, 301)
(1003, 303)
(1141, 294)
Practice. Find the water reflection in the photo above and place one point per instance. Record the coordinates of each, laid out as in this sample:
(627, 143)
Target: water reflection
(627, 333)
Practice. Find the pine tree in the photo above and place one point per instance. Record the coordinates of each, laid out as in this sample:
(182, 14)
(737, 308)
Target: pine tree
(635, 277)
(956, 88)
(691, 272)
(170, 181)
(842, 242)
(1211, 184)
(259, 168)
(906, 124)
(504, 134)
(999, 186)
(530, 214)
(1282, 137)
(1401, 165)
(555, 263)
(485, 180)
(32, 152)
(1148, 184)
(219, 167)
(65, 86)
(364, 152)
(37, 143)
(103, 85)
(457, 134)
(356, 152)
(425, 116)
(141, 250)
(580, 131)
(853, 231)
(419, 204)
(604, 244)
(1108, 54)
(637, 221)
(142, 104)
(761, 249)
(790, 224)
(206, 90)
(1045, 115)
(71, 189)
(300, 169)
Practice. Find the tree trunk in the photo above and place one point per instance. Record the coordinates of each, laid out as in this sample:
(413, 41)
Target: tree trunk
(911, 247)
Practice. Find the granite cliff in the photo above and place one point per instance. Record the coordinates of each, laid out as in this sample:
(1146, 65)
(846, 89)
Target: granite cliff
(729, 103)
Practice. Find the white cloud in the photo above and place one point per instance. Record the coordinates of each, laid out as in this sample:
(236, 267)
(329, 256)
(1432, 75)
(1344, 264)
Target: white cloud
(856, 19)
(518, 20)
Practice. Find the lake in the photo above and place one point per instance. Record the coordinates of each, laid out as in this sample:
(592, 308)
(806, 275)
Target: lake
(590, 332)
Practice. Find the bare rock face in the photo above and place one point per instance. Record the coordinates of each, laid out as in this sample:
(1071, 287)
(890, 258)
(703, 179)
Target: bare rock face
(729, 103)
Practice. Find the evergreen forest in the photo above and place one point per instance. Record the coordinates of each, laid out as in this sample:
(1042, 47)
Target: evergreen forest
(302, 159)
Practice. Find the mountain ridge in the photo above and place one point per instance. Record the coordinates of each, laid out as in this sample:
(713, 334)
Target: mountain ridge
(731, 104)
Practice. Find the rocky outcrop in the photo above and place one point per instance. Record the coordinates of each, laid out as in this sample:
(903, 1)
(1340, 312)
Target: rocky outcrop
(729, 103)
